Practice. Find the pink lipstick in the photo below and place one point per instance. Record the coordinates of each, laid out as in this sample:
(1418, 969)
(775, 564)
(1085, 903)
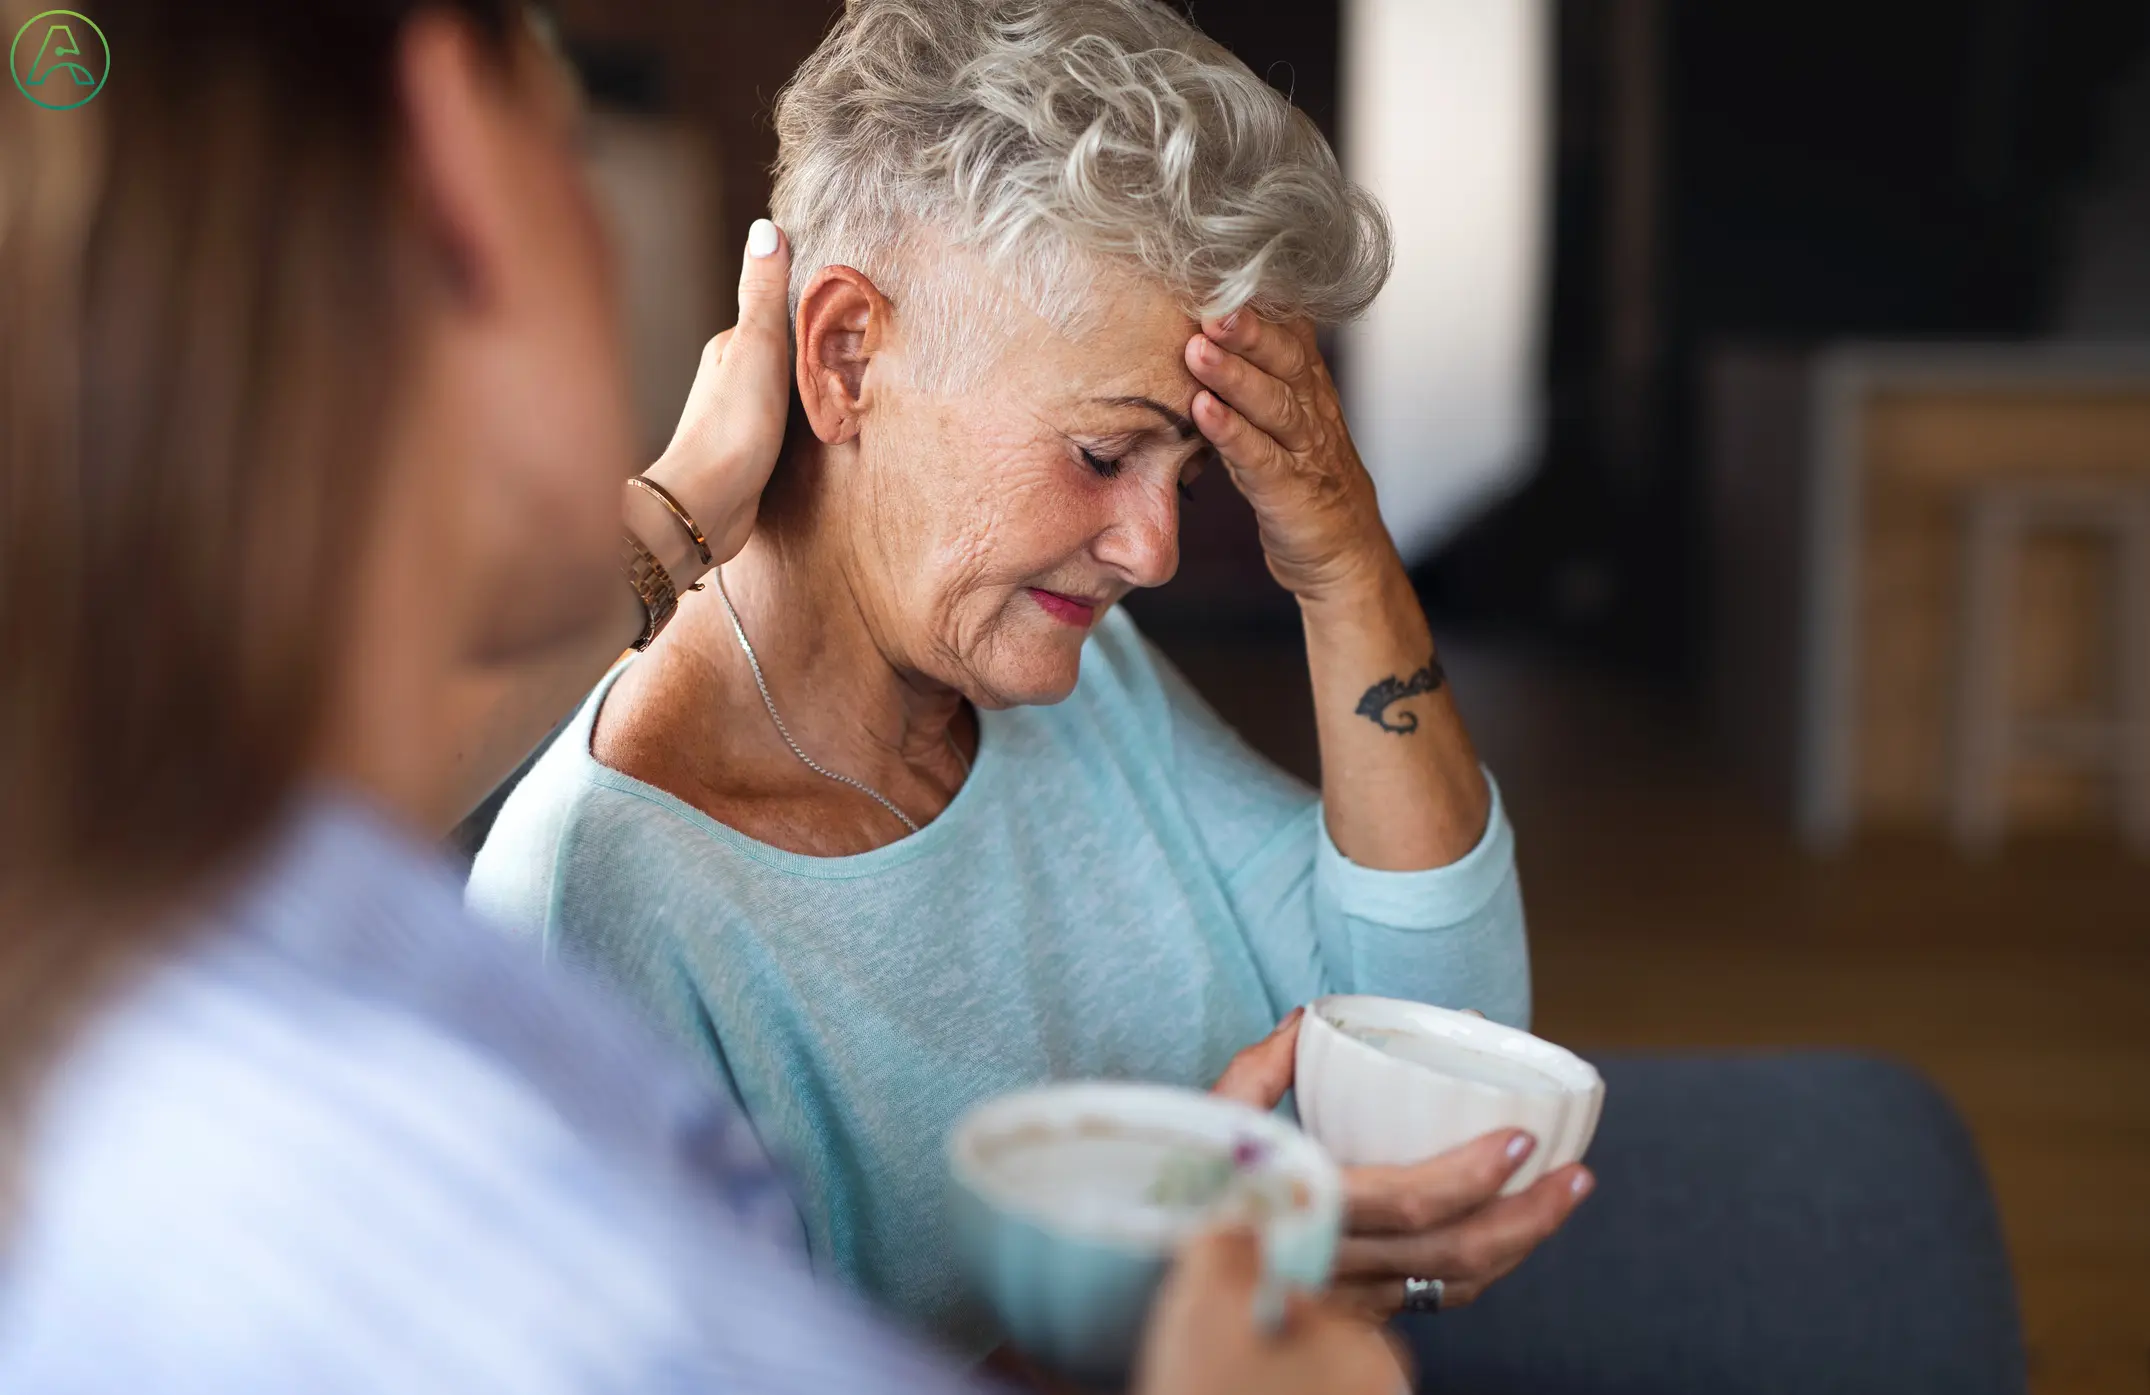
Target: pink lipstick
(1066, 609)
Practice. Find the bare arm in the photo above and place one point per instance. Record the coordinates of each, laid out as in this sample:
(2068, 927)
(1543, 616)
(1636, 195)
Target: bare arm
(1401, 786)
(717, 462)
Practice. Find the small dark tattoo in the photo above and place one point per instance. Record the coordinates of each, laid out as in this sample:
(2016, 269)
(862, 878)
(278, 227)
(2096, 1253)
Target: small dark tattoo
(1374, 707)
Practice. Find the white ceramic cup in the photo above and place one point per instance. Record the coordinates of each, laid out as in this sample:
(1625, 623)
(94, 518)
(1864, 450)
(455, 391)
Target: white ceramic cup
(1437, 1079)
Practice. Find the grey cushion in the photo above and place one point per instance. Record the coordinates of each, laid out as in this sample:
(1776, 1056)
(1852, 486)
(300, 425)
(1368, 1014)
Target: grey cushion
(1809, 1222)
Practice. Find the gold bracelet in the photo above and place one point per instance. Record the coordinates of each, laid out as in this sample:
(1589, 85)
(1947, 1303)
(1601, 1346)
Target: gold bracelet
(665, 497)
(651, 583)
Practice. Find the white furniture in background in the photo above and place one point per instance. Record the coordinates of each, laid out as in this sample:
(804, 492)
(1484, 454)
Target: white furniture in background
(1866, 648)
(1901, 436)
(2001, 518)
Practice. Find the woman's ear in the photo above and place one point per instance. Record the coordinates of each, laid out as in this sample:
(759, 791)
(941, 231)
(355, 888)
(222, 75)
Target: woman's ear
(843, 323)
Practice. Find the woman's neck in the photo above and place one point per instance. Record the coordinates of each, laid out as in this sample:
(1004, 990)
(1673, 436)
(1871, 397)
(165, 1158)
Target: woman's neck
(832, 661)
(821, 637)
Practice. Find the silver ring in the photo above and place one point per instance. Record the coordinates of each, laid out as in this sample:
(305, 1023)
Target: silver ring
(1422, 1295)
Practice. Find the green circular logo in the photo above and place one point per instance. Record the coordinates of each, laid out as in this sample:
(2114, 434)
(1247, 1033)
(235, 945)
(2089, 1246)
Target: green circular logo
(59, 59)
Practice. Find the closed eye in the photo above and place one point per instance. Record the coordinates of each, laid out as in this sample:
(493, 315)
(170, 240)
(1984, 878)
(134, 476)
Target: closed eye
(1106, 469)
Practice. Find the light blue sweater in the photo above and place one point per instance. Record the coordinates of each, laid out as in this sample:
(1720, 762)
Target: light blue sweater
(1122, 888)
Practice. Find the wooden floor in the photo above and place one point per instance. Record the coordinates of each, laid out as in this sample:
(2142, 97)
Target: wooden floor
(1669, 910)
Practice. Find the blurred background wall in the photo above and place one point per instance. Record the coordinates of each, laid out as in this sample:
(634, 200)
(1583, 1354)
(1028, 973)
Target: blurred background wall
(1765, 396)
(1446, 119)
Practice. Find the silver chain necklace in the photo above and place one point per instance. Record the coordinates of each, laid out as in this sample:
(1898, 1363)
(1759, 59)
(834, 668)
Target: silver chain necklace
(781, 730)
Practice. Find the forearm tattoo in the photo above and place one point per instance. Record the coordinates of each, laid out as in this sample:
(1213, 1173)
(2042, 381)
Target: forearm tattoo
(1375, 705)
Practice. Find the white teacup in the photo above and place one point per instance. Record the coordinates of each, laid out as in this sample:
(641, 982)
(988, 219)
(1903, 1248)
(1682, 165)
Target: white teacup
(1384, 1081)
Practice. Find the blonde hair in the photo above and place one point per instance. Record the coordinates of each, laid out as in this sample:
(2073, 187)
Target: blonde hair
(1049, 141)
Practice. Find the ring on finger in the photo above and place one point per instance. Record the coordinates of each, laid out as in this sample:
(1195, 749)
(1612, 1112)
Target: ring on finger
(1422, 1295)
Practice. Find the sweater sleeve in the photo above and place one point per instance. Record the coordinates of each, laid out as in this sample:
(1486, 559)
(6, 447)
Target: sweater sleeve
(1320, 923)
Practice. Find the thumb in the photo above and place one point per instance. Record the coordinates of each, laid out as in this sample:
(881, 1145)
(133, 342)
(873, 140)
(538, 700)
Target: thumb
(1220, 1266)
(1262, 1073)
(765, 294)
(1203, 1312)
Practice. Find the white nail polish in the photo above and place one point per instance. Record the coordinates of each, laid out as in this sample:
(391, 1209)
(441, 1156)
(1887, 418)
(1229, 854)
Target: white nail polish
(1518, 1146)
(761, 238)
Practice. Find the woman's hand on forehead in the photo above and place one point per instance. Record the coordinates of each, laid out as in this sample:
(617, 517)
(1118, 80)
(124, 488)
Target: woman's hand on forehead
(1269, 407)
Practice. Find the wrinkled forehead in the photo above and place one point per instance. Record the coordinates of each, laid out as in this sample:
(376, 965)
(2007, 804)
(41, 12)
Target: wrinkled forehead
(1115, 334)
(1135, 347)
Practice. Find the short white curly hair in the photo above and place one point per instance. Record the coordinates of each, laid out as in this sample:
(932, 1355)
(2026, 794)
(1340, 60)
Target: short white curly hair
(1051, 141)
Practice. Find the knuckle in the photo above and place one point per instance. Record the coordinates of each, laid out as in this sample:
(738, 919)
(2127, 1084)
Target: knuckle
(1483, 1256)
(1419, 1211)
(1473, 1256)
(1329, 489)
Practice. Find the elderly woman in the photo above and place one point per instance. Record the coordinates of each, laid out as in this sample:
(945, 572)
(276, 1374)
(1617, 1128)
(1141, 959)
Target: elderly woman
(902, 811)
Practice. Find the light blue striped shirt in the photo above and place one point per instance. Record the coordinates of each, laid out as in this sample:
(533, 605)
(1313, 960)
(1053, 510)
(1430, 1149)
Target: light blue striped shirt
(348, 1141)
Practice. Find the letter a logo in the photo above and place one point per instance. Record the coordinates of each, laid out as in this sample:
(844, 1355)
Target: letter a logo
(59, 60)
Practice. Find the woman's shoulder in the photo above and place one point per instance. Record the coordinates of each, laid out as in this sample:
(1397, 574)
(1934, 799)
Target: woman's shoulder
(336, 1064)
(354, 927)
(306, 1172)
(316, 1156)
(575, 826)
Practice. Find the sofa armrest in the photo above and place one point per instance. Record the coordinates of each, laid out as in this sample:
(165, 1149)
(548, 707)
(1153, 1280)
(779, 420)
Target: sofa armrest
(1802, 1222)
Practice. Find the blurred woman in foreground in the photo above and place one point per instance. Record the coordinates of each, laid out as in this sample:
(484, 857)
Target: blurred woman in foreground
(314, 445)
